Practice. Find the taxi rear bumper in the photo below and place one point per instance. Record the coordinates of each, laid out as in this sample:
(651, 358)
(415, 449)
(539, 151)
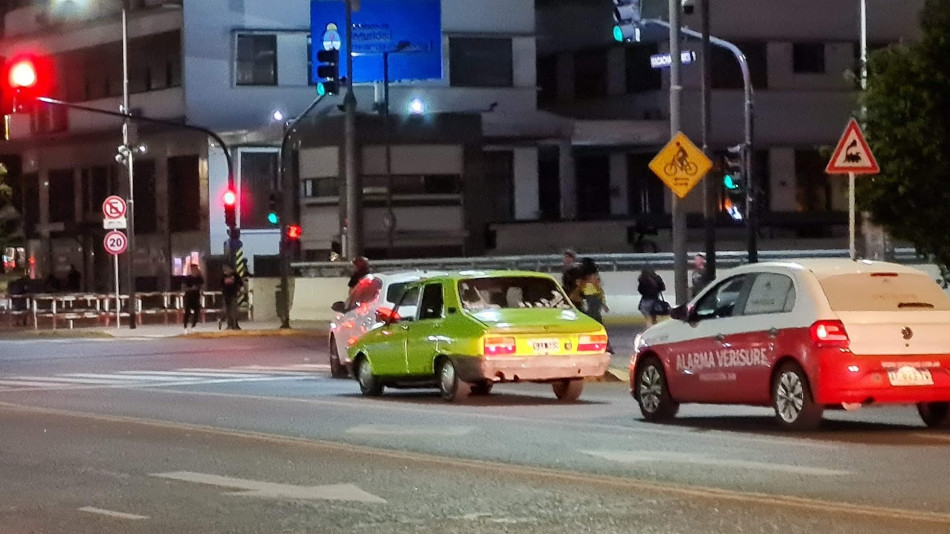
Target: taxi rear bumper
(866, 380)
(530, 368)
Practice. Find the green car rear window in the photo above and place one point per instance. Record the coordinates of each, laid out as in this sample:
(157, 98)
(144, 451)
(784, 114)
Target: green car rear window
(510, 292)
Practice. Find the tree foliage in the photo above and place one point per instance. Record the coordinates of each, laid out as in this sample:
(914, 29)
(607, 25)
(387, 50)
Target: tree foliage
(908, 129)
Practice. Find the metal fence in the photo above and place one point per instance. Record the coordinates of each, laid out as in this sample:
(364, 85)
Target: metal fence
(553, 262)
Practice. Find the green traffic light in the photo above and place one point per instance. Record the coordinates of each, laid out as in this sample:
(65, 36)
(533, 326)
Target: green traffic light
(618, 34)
(321, 89)
(272, 218)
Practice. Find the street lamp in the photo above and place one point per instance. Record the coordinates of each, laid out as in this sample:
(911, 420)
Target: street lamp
(390, 212)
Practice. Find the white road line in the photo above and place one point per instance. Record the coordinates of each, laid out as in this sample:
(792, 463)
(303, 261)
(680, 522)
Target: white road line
(64, 379)
(646, 457)
(110, 513)
(127, 377)
(404, 430)
(186, 374)
(24, 383)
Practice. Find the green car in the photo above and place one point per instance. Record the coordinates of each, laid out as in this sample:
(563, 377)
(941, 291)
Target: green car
(466, 331)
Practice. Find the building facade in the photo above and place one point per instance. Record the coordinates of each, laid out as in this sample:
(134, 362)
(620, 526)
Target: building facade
(536, 136)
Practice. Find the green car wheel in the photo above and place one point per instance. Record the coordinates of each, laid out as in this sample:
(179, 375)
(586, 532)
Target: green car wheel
(369, 385)
(452, 389)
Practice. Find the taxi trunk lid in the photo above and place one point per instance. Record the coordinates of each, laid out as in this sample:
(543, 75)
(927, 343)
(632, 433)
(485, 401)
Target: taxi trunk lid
(536, 321)
(897, 332)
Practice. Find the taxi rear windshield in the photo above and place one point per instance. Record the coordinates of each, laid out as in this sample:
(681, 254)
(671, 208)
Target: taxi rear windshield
(884, 292)
(510, 292)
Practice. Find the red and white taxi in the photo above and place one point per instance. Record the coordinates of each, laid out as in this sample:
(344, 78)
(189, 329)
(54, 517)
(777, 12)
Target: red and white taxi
(802, 336)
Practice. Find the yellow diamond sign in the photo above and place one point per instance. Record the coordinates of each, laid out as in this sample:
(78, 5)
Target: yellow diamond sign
(681, 165)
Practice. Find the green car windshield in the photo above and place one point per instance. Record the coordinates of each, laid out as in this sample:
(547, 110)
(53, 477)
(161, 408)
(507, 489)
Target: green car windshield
(509, 292)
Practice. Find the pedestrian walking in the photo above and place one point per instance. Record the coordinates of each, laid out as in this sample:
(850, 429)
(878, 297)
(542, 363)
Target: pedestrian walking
(570, 275)
(192, 285)
(19, 290)
(231, 285)
(360, 269)
(698, 279)
(650, 286)
(591, 291)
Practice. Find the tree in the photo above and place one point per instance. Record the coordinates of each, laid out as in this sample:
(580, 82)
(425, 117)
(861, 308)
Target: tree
(907, 121)
(9, 216)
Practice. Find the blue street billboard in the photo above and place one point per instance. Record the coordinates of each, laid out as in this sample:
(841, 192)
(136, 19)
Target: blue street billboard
(411, 30)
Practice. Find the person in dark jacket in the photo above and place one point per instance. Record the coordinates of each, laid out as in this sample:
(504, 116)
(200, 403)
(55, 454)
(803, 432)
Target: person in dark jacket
(360, 269)
(570, 276)
(231, 285)
(649, 285)
(192, 285)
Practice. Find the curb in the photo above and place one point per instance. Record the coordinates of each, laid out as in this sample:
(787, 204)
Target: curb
(613, 374)
(250, 333)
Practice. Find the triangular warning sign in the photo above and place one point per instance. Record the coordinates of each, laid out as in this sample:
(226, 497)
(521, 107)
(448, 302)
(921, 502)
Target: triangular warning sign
(853, 154)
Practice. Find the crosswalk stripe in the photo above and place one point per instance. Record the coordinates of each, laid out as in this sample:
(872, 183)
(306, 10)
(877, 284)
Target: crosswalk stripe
(27, 384)
(68, 380)
(196, 374)
(127, 377)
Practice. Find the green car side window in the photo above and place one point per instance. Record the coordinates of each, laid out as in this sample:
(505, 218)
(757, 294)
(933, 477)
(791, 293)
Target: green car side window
(408, 304)
(431, 307)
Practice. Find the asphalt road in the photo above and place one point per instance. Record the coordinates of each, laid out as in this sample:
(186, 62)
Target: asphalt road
(251, 435)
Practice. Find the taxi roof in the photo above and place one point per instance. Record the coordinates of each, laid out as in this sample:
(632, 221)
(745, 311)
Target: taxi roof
(491, 273)
(827, 267)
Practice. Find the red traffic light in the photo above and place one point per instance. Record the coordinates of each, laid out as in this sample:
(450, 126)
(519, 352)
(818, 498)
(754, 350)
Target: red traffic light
(229, 198)
(294, 231)
(22, 74)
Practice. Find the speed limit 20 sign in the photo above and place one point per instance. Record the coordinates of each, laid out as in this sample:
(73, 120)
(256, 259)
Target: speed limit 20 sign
(115, 243)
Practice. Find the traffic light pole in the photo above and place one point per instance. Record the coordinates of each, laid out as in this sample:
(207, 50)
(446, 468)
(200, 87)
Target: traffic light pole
(354, 186)
(288, 211)
(710, 189)
(751, 189)
(680, 278)
(130, 170)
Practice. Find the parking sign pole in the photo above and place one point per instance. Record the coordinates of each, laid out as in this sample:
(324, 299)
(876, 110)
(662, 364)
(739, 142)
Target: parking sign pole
(118, 316)
(852, 249)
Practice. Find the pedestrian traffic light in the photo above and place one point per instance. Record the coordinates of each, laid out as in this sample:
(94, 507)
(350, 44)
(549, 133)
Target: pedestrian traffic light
(272, 203)
(230, 208)
(627, 16)
(733, 181)
(294, 232)
(328, 71)
(21, 81)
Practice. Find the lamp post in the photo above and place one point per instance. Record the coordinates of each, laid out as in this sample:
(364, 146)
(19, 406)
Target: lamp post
(387, 133)
(129, 166)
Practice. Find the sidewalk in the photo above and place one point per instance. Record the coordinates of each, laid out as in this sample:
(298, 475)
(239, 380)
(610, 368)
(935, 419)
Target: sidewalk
(203, 330)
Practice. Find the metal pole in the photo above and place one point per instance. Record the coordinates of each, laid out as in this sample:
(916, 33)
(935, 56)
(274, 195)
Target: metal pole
(354, 187)
(390, 212)
(289, 192)
(710, 187)
(681, 281)
(130, 169)
(852, 250)
(118, 299)
(752, 219)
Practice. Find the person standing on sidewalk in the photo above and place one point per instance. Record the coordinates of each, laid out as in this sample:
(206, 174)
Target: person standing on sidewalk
(193, 284)
(231, 285)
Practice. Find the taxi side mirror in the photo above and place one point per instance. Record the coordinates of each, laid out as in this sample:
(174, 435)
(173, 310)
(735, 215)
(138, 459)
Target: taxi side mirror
(680, 313)
(387, 315)
(338, 306)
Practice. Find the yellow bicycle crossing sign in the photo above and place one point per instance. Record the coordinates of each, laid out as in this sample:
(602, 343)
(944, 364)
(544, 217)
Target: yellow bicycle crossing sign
(681, 165)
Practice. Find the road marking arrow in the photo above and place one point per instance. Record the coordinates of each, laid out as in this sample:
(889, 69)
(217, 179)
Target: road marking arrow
(269, 490)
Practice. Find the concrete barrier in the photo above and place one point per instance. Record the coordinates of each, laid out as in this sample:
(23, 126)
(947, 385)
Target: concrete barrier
(312, 296)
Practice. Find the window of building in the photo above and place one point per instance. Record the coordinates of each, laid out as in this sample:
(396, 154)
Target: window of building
(184, 187)
(480, 62)
(547, 79)
(808, 58)
(256, 59)
(62, 196)
(645, 194)
(499, 168)
(145, 211)
(812, 185)
(96, 184)
(325, 187)
(640, 75)
(258, 181)
(590, 74)
(726, 73)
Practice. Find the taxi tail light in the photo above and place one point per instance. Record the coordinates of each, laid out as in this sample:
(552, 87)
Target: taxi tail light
(829, 334)
(495, 346)
(592, 343)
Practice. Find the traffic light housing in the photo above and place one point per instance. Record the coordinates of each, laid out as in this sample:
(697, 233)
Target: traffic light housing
(734, 182)
(25, 78)
(273, 216)
(328, 70)
(230, 208)
(627, 17)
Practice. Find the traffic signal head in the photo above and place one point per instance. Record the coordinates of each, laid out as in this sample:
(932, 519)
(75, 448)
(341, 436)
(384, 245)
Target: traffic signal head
(733, 181)
(22, 74)
(272, 216)
(294, 232)
(22, 79)
(627, 16)
(328, 71)
(230, 208)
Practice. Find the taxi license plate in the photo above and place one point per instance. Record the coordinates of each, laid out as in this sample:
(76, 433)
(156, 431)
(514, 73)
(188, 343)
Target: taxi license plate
(544, 346)
(908, 376)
